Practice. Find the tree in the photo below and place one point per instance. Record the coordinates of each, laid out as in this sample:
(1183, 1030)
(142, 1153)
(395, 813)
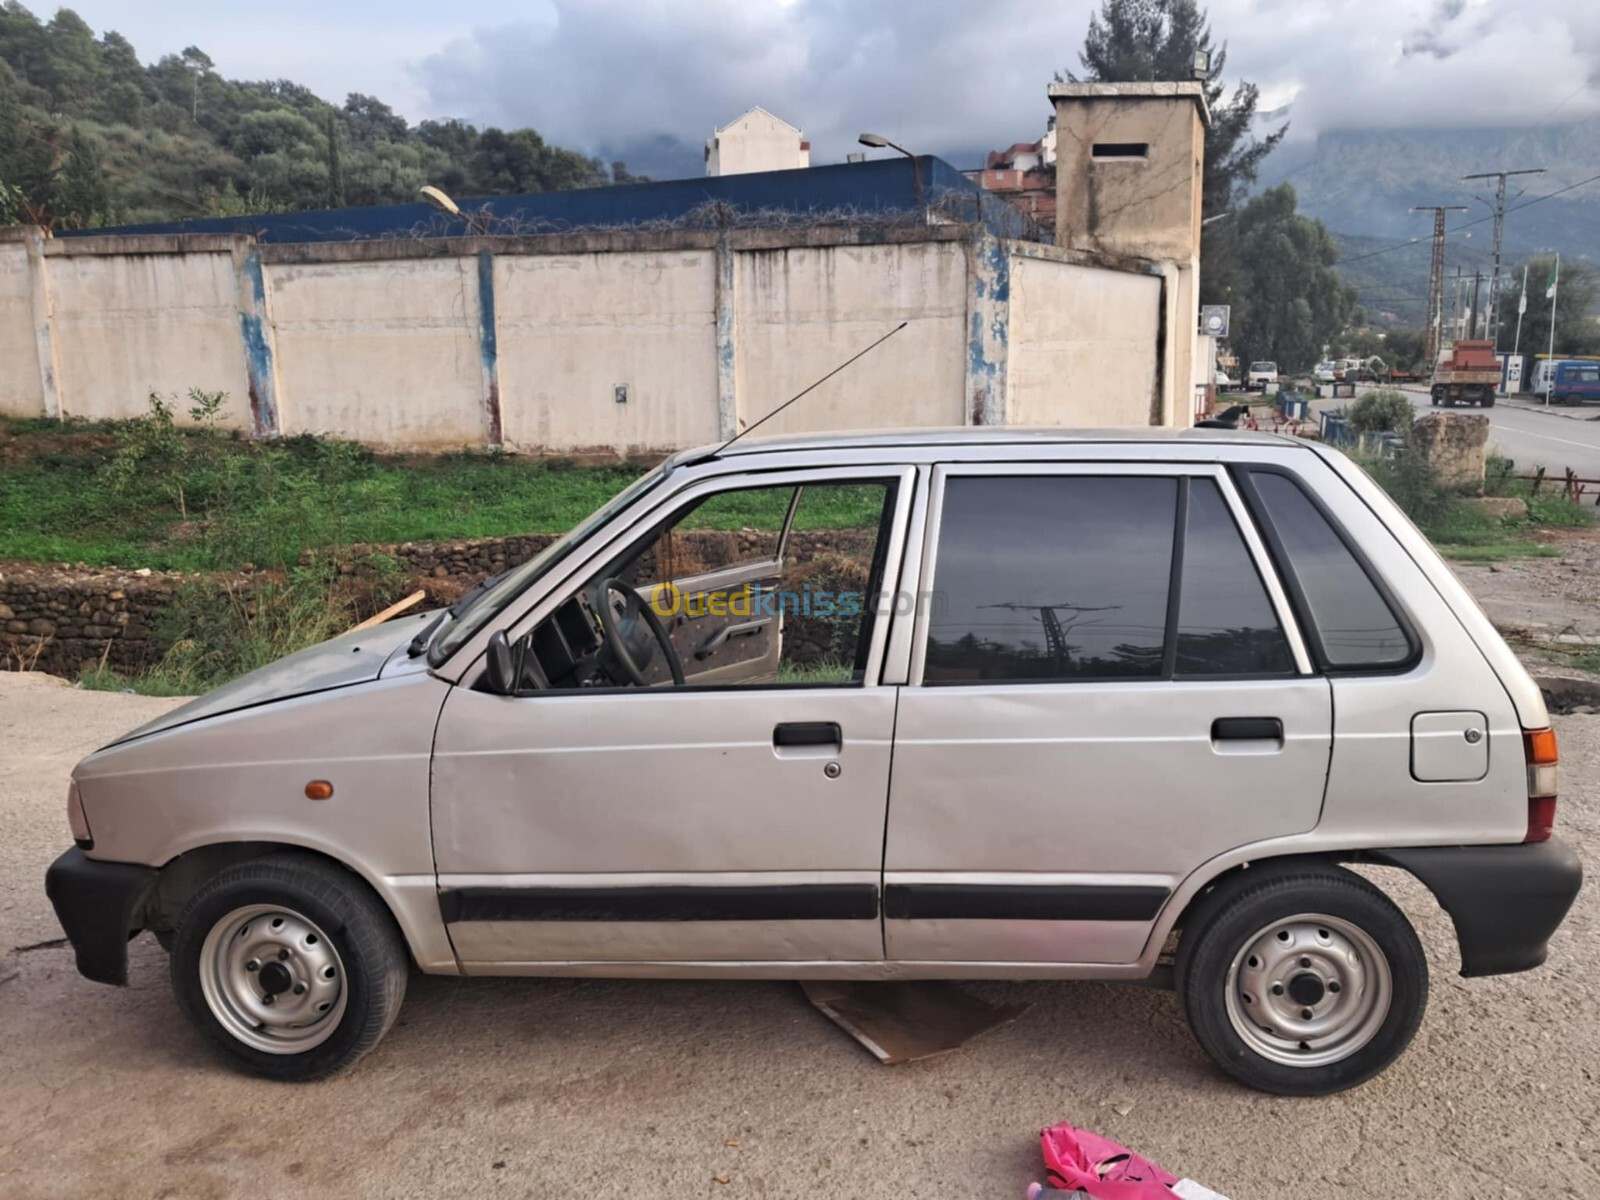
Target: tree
(371, 120)
(82, 196)
(27, 156)
(199, 65)
(1136, 40)
(69, 65)
(1575, 301)
(1295, 302)
(335, 163)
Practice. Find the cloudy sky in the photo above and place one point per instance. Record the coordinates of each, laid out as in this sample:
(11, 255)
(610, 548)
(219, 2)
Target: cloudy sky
(648, 80)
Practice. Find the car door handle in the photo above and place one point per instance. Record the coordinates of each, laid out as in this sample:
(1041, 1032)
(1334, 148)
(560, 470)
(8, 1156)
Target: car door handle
(727, 632)
(808, 733)
(1247, 729)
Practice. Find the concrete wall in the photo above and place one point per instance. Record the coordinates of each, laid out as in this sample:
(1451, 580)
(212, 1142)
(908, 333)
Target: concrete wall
(572, 328)
(21, 393)
(386, 352)
(128, 325)
(802, 311)
(1080, 345)
(576, 343)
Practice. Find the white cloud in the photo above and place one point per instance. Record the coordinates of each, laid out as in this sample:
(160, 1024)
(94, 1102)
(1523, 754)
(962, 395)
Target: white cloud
(952, 77)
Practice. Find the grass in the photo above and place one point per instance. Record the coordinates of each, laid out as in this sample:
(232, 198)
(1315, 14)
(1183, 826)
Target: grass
(1464, 532)
(176, 499)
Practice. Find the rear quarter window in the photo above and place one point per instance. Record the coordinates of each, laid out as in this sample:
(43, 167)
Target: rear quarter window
(1352, 625)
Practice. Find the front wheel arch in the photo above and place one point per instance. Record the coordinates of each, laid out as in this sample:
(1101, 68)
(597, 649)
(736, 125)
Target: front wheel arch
(183, 876)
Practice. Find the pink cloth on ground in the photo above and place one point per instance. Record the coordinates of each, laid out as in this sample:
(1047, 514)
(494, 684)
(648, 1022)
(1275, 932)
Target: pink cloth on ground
(1076, 1158)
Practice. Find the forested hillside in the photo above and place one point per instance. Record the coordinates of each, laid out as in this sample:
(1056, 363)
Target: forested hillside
(90, 135)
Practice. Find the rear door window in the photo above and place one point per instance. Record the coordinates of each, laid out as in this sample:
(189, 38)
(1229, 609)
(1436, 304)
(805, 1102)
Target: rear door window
(1351, 621)
(1051, 578)
(1226, 622)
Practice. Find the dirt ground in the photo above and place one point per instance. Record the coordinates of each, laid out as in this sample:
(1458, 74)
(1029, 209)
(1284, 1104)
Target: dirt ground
(541, 1088)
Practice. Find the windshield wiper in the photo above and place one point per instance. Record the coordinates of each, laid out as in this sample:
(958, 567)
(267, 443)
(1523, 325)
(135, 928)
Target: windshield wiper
(463, 602)
(419, 644)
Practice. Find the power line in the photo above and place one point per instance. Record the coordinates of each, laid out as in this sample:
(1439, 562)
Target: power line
(1343, 262)
(1492, 325)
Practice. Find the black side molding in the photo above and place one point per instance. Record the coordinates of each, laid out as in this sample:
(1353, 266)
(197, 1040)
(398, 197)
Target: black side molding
(782, 902)
(1505, 901)
(1022, 902)
(98, 906)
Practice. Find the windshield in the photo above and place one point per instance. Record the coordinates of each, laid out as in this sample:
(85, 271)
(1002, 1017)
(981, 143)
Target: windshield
(1263, 366)
(491, 602)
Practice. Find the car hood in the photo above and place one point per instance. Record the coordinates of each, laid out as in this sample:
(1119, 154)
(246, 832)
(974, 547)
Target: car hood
(351, 658)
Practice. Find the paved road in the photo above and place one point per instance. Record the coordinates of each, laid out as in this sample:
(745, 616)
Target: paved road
(545, 1088)
(1535, 439)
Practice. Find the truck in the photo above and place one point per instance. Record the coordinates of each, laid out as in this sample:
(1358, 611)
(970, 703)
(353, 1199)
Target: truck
(1469, 372)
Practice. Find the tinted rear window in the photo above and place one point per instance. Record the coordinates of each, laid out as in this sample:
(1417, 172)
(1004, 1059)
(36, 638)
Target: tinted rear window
(1226, 623)
(1051, 578)
(1356, 627)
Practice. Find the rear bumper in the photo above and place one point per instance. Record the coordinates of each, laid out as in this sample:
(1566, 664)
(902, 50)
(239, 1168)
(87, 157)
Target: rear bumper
(1505, 901)
(98, 904)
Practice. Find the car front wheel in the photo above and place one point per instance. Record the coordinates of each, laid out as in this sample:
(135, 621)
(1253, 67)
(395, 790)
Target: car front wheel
(1302, 983)
(289, 966)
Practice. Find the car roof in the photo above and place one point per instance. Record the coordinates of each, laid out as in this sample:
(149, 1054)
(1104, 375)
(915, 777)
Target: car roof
(978, 439)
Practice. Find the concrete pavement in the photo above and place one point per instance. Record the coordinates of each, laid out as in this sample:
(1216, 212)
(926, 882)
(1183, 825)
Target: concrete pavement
(546, 1088)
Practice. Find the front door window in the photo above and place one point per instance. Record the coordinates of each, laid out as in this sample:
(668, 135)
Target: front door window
(752, 586)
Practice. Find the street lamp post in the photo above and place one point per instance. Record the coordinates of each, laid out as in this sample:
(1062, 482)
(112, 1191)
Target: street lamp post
(444, 204)
(878, 142)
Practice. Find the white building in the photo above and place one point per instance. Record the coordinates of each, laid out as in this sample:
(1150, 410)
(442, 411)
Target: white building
(757, 141)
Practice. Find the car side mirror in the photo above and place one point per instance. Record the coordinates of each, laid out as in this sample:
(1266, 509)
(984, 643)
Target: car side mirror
(501, 668)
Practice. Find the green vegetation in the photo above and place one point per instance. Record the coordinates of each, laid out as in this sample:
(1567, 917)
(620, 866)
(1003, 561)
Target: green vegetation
(1463, 531)
(152, 493)
(1383, 410)
(90, 135)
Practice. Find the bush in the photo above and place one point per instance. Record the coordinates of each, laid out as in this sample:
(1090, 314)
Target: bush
(1382, 411)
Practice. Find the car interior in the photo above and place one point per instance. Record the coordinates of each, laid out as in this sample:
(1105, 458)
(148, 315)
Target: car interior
(754, 586)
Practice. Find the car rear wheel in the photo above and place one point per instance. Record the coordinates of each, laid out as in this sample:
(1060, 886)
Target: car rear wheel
(1302, 983)
(289, 966)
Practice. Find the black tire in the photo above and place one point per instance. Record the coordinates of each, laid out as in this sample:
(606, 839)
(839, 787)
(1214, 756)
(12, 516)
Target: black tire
(359, 930)
(1488, 401)
(1435, 395)
(1228, 923)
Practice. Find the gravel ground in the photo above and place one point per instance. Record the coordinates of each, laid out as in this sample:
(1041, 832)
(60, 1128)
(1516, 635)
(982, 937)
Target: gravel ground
(545, 1088)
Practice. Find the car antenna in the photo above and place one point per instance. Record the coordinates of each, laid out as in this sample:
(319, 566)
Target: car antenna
(812, 388)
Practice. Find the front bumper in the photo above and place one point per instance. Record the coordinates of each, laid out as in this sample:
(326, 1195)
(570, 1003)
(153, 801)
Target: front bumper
(1505, 901)
(99, 905)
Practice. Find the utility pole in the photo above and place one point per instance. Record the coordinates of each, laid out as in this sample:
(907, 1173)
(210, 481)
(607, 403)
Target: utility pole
(1493, 329)
(1472, 313)
(1436, 275)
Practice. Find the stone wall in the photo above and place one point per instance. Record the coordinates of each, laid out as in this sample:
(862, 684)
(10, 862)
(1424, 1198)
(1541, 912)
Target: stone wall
(61, 619)
(1454, 445)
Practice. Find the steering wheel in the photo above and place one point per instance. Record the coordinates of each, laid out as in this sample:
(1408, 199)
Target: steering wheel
(626, 633)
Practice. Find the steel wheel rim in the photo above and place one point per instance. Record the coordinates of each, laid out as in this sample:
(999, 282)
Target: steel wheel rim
(273, 979)
(1308, 990)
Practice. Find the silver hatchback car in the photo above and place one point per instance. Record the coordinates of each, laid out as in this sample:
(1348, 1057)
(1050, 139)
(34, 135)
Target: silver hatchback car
(966, 704)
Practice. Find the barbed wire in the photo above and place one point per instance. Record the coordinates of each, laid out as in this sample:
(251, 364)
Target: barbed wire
(945, 210)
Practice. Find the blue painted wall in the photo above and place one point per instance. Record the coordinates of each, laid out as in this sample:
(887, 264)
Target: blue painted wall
(880, 186)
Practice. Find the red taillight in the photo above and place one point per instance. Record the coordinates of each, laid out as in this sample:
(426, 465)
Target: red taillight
(1539, 748)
